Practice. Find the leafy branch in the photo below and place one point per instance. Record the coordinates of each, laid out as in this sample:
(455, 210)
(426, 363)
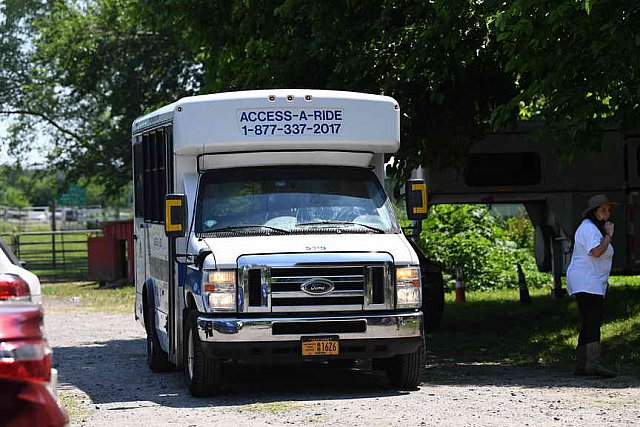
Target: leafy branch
(47, 119)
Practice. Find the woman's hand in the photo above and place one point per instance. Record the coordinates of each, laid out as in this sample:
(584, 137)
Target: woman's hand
(608, 227)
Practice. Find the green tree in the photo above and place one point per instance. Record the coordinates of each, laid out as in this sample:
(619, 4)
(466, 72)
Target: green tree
(576, 65)
(13, 197)
(25, 187)
(15, 16)
(94, 68)
(438, 59)
(457, 67)
(96, 195)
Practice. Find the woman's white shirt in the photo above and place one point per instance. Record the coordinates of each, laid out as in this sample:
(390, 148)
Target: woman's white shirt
(587, 273)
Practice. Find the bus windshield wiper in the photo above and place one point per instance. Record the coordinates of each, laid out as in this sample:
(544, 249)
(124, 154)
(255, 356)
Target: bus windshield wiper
(328, 222)
(245, 226)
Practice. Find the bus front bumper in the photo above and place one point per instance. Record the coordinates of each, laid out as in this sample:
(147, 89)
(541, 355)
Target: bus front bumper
(273, 339)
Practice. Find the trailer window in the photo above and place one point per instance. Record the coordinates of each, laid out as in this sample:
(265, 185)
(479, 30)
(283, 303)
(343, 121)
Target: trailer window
(502, 169)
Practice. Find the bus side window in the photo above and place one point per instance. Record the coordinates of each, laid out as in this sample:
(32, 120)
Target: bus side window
(138, 177)
(154, 150)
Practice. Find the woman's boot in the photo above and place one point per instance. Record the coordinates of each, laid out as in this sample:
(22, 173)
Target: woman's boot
(581, 360)
(593, 365)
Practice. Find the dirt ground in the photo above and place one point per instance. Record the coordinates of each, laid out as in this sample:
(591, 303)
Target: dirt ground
(104, 381)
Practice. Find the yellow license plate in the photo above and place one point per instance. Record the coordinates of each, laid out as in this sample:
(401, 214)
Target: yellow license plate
(320, 346)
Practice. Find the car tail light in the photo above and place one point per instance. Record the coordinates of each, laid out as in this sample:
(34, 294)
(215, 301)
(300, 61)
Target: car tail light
(13, 287)
(25, 360)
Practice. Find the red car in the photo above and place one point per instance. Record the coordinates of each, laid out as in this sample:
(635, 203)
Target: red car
(27, 381)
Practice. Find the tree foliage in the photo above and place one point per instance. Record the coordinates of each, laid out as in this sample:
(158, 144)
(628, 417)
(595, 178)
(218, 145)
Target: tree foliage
(485, 248)
(41, 187)
(457, 67)
(26, 187)
(576, 64)
(14, 36)
(94, 68)
(438, 59)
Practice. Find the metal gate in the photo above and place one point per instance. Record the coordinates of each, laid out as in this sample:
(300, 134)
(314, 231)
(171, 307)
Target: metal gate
(53, 255)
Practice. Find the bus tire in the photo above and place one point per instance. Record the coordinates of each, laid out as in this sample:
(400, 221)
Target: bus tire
(157, 358)
(405, 370)
(203, 374)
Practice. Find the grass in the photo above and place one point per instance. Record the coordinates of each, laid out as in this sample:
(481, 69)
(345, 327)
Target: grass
(273, 407)
(75, 405)
(494, 328)
(90, 296)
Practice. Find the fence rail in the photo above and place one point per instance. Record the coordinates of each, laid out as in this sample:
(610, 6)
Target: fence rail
(53, 255)
(18, 220)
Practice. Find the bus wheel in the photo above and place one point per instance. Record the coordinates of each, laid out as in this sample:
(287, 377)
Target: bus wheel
(405, 370)
(157, 358)
(203, 374)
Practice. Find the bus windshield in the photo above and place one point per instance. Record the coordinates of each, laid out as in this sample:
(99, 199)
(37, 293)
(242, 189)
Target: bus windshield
(293, 200)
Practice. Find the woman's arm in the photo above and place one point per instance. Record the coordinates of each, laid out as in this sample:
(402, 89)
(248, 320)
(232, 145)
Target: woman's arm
(604, 243)
(602, 247)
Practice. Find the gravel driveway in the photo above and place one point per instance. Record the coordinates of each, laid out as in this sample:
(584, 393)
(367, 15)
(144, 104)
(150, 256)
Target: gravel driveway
(104, 381)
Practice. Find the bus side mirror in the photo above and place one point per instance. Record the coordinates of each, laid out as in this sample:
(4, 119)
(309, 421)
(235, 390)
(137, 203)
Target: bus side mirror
(416, 199)
(175, 219)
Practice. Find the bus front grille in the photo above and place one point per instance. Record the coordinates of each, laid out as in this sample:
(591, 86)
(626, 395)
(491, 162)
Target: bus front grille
(347, 283)
(268, 284)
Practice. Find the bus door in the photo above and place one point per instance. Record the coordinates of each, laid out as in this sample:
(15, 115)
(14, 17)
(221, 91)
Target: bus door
(175, 296)
(154, 252)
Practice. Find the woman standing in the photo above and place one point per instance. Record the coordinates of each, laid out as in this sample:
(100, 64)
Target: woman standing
(587, 280)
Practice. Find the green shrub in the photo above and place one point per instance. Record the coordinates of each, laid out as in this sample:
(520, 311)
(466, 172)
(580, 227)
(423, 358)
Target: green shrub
(485, 247)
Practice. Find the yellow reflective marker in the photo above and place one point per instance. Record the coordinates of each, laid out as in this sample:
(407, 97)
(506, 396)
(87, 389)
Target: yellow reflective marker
(169, 225)
(422, 187)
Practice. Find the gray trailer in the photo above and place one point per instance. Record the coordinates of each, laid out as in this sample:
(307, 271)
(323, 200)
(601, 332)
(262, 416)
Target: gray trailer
(514, 167)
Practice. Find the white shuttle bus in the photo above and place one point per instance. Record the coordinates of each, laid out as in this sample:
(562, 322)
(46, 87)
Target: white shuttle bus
(263, 233)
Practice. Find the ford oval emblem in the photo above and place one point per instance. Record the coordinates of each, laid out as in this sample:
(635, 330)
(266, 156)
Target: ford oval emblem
(317, 286)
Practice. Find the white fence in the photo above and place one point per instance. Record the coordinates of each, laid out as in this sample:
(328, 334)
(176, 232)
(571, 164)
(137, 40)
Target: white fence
(66, 218)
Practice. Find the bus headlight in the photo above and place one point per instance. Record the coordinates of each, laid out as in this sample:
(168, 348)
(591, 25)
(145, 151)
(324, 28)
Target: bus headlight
(219, 290)
(408, 287)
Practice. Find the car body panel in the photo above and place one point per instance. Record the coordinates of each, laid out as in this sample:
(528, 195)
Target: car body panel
(10, 264)
(27, 402)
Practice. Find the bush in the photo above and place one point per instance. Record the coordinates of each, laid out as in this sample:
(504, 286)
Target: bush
(487, 248)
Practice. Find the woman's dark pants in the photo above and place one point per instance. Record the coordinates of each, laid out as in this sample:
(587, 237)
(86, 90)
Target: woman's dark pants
(590, 307)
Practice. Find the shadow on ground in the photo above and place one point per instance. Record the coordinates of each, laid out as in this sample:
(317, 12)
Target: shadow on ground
(116, 371)
(500, 333)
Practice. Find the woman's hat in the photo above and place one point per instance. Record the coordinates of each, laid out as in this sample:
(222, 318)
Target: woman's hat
(595, 201)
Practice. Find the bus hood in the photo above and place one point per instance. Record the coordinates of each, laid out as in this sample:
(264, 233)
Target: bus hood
(227, 250)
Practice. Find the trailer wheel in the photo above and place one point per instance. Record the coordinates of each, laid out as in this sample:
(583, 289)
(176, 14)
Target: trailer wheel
(203, 374)
(405, 370)
(157, 358)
